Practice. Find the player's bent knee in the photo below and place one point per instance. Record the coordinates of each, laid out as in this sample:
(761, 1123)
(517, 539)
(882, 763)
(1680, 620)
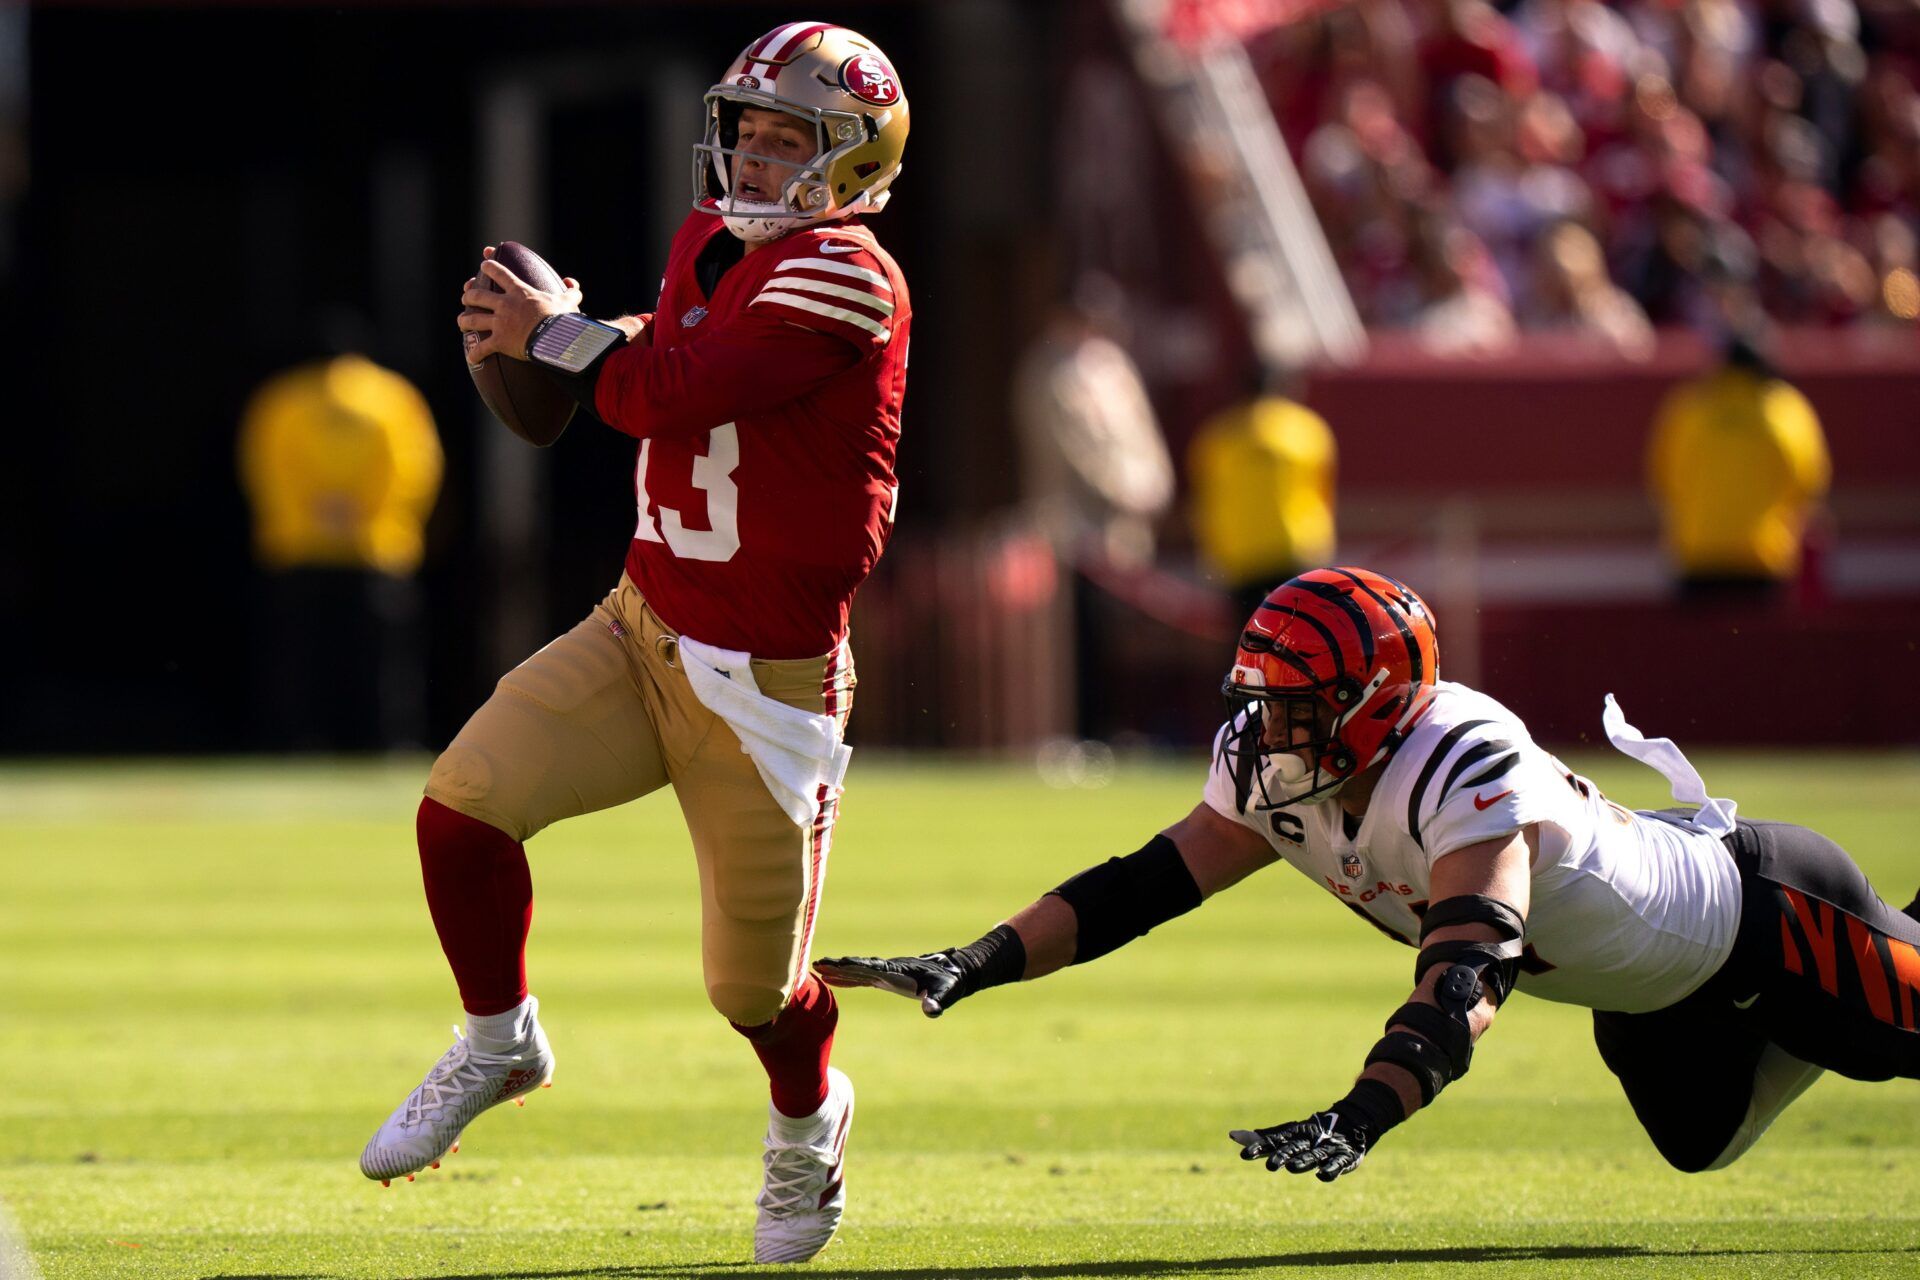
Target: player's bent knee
(462, 774)
(746, 1004)
(462, 780)
(1692, 1153)
(1693, 1162)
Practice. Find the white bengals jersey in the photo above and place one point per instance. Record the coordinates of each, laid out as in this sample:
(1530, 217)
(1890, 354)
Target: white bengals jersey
(1630, 912)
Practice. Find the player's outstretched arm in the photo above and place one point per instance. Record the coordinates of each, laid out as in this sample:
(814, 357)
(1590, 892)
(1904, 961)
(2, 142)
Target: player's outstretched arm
(1470, 948)
(1097, 911)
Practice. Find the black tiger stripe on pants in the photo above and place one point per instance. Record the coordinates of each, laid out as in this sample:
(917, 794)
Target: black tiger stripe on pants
(1821, 967)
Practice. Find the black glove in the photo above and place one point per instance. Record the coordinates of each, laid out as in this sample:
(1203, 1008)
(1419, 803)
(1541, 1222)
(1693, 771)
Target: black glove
(1330, 1142)
(940, 980)
(934, 980)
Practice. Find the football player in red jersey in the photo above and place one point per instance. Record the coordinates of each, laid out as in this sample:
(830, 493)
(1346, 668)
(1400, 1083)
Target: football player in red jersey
(764, 392)
(1727, 961)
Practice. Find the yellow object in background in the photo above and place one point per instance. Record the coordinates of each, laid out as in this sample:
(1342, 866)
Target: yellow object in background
(341, 465)
(1262, 490)
(1737, 460)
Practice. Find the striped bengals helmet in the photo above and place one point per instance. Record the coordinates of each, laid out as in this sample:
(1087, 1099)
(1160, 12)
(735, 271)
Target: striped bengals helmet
(838, 82)
(1339, 661)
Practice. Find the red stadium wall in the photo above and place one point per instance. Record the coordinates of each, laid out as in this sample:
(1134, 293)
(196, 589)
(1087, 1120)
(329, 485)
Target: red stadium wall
(1545, 448)
(1555, 419)
(1837, 676)
(965, 640)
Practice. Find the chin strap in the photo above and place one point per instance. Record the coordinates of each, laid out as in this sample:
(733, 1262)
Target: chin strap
(748, 226)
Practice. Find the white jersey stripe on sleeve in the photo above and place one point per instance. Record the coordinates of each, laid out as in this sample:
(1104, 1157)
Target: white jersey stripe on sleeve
(804, 303)
(883, 305)
(873, 278)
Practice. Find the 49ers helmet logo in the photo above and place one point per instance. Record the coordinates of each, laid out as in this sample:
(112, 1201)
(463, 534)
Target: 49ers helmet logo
(868, 78)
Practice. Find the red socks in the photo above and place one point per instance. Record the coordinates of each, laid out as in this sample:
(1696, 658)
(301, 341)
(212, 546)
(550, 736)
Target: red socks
(795, 1046)
(481, 896)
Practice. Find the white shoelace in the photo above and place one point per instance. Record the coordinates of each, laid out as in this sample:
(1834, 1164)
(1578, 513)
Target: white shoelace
(789, 1170)
(460, 1074)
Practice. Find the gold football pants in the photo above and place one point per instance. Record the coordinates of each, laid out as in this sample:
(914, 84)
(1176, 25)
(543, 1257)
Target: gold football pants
(604, 715)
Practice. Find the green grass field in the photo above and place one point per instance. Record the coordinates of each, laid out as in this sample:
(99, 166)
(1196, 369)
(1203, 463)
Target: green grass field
(217, 979)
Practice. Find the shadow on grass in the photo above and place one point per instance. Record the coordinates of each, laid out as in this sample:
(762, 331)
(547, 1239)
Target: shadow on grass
(1146, 1267)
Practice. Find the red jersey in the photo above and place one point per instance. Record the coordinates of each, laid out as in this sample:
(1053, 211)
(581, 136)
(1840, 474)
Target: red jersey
(767, 416)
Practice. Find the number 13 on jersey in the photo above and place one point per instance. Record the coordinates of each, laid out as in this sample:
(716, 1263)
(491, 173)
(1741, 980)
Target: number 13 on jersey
(713, 474)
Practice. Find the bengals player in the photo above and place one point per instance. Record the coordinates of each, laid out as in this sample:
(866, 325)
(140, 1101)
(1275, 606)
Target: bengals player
(1727, 961)
(764, 394)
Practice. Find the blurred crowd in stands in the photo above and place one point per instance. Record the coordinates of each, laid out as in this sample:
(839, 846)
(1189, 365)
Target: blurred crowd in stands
(1605, 166)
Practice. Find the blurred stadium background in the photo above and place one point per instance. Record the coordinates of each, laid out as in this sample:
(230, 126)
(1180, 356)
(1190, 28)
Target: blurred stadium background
(1481, 242)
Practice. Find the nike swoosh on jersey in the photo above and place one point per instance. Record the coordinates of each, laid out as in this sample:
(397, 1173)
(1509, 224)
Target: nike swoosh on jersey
(834, 247)
(1490, 801)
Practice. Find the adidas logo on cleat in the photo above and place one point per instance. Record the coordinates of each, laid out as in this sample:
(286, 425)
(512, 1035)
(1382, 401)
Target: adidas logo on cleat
(518, 1081)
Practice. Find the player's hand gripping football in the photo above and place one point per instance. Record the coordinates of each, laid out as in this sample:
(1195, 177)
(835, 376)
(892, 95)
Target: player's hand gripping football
(501, 310)
(1328, 1142)
(935, 980)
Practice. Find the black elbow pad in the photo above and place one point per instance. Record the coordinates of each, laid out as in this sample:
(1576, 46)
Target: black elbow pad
(1497, 964)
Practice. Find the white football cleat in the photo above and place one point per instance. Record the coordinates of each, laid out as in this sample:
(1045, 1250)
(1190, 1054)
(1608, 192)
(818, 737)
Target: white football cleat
(461, 1085)
(804, 1190)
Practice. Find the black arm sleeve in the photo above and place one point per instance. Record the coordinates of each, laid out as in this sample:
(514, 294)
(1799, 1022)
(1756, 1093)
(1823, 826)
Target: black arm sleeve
(1122, 898)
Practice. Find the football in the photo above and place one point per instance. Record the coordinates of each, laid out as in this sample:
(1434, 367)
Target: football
(529, 402)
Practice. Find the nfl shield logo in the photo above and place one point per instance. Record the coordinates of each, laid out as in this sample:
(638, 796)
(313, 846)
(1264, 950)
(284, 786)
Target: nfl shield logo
(693, 317)
(1350, 866)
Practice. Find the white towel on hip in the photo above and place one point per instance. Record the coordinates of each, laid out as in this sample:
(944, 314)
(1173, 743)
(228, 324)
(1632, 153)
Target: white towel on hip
(1715, 817)
(798, 753)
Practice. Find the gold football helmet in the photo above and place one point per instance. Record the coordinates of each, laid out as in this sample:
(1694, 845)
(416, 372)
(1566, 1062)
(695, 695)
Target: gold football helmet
(838, 82)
